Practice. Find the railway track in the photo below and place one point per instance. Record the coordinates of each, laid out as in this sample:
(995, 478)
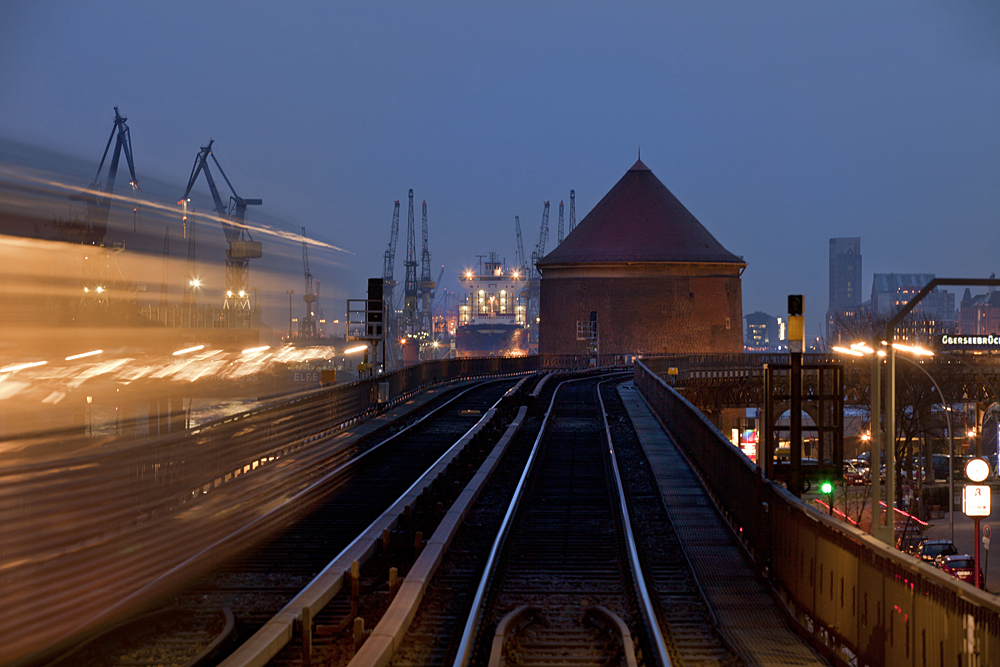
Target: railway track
(568, 584)
(561, 588)
(356, 484)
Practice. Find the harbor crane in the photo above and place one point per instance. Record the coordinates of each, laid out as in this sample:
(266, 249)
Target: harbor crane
(559, 236)
(426, 285)
(98, 199)
(533, 294)
(522, 261)
(242, 247)
(308, 326)
(388, 283)
(410, 294)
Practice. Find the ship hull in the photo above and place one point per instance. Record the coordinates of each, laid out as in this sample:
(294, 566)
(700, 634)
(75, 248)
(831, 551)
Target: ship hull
(491, 340)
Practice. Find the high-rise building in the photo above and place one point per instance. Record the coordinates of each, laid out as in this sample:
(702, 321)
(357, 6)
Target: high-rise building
(933, 315)
(762, 333)
(845, 282)
(845, 273)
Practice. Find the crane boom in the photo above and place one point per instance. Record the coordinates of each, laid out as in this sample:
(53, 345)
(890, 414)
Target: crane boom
(543, 232)
(521, 259)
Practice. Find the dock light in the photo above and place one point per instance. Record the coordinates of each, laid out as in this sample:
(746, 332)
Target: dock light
(100, 289)
(866, 437)
(229, 293)
(195, 283)
(352, 350)
(189, 349)
(971, 434)
(86, 289)
(18, 367)
(85, 354)
(242, 293)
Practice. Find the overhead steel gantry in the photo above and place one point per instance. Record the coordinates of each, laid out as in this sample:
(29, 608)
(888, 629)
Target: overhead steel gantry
(242, 247)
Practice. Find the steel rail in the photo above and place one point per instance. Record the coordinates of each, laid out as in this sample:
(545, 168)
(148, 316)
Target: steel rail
(475, 615)
(244, 655)
(248, 528)
(648, 612)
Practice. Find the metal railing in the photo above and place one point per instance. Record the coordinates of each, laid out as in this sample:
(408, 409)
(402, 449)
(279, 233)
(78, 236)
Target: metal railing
(864, 601)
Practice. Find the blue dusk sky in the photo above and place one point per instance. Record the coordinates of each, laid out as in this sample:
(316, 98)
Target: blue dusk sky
(777, 124)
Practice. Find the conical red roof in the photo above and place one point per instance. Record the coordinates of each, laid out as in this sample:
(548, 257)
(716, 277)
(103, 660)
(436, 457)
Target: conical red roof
(639, 220)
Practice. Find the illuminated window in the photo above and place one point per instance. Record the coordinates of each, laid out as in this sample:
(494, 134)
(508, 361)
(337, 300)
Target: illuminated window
(482, 301)
(503, 301)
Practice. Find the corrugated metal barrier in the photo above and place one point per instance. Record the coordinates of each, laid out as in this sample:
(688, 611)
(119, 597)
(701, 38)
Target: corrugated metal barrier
(867, 603)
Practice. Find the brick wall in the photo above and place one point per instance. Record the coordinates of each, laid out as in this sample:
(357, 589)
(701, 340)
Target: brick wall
(643, 314)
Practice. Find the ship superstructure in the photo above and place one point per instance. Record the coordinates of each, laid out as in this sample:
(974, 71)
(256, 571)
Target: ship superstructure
(491, 312)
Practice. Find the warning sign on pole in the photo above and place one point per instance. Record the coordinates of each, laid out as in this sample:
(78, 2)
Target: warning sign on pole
(976, 500)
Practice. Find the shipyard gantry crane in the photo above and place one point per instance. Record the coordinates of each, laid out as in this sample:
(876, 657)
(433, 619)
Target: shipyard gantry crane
(559, 236)
(308, 327)
(98, 199)
(522, 261)
(531, 323)
(388, 283)
(426, 285)
(242, 247)
(410, 295)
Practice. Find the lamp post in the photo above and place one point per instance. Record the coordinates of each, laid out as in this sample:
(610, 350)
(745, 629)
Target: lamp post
(885, 533)
(289, 292)
(951, 447)
(891, 347)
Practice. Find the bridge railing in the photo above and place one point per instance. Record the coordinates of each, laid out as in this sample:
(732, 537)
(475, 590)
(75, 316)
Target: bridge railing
(863, 600)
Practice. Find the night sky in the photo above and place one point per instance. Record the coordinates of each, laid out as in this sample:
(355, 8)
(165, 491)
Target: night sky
(778, 124)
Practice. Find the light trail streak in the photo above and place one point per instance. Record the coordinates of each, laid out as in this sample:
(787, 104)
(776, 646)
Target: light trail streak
(168, 209)
(355, 349)
(189, 349)
(85, 354)
(18, 367)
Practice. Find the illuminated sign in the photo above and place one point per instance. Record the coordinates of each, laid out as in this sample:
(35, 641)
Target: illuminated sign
(991, 341)
(976, 500)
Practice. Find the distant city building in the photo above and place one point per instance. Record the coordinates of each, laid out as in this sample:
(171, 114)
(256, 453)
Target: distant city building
(980, 314)
(934, 315)
(762, 333)
(845, 284)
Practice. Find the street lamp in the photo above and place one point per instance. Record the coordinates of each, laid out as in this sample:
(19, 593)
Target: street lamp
(951, 448)
(887, 533)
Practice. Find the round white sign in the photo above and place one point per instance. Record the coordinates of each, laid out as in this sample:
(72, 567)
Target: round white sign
(977, 470)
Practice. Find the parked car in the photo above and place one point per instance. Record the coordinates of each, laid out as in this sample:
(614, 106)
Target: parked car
(910, 544)
(852, 475)
(962, 567)
(930, 550)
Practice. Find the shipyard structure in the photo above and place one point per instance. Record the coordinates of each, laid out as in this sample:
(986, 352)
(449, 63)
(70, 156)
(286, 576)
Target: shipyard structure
(640, 275)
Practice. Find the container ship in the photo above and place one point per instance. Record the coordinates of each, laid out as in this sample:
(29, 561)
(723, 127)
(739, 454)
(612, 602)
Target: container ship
(491, 312)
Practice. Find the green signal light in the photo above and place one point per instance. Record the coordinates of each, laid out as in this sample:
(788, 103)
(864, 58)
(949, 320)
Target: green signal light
(827, 488)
